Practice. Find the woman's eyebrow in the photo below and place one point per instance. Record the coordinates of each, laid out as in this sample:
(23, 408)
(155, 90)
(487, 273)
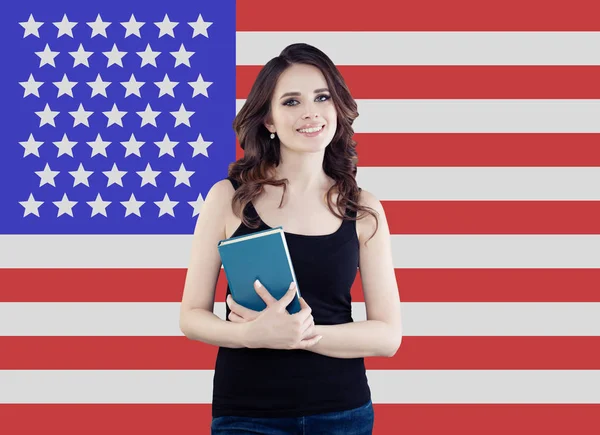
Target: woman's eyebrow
(297, 94)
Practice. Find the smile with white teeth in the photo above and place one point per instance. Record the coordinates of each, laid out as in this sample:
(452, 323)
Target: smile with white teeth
(310, 130)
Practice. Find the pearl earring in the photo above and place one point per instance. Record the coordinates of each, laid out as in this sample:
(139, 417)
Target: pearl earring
(272, 135)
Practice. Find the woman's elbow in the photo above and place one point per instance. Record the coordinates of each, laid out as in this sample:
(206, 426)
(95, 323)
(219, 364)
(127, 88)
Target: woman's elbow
(394, 345)
(184, 323)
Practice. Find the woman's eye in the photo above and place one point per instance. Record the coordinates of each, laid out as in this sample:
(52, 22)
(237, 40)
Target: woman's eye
(320, 98)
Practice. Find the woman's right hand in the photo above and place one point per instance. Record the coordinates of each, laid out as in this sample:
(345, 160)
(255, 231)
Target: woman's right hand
(275, 328)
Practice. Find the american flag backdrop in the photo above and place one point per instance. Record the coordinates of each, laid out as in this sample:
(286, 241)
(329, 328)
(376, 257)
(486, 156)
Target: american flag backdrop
(479, 130)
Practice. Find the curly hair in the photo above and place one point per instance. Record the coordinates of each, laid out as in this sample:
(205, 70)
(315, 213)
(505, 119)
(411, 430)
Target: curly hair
(262, 153)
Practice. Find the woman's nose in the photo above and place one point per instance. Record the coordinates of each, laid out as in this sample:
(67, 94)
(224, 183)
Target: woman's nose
(310, 115)
(311, 110)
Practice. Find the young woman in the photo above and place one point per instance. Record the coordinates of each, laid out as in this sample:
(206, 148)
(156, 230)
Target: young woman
(281, 373)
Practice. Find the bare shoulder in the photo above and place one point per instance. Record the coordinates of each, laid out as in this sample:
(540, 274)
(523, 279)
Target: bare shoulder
(221, 189)
(366, 226)
(368, 199)
(217, 204)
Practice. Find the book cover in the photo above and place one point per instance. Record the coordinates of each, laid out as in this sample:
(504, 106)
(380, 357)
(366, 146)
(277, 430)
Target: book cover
(262, 255)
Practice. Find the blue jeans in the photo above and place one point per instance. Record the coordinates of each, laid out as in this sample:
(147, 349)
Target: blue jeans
(357, 421)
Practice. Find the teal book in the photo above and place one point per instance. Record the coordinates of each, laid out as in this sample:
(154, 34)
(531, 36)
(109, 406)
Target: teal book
(262, 255)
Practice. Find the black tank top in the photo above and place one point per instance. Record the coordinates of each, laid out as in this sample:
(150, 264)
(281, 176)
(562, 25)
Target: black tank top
(294, 383)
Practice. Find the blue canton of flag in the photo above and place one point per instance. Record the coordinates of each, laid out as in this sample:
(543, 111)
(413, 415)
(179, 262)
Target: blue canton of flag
(117, 116)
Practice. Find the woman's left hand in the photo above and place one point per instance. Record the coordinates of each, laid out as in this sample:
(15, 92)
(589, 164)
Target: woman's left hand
(239, 313)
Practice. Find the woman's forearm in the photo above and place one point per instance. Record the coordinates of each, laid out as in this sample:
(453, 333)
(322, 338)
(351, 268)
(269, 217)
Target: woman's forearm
(201, 325)
(357, 339)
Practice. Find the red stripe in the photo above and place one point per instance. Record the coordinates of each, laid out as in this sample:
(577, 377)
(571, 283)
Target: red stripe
(424, 15)
(457, 81)
(160, 419)
(415, 285)
(415, 353)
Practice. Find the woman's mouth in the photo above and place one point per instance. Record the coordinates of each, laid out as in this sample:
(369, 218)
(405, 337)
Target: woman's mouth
(312, 131)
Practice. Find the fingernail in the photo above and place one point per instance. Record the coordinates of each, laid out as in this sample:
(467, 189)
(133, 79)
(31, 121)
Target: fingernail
(293, 285)
(257, 283)
(319, 338)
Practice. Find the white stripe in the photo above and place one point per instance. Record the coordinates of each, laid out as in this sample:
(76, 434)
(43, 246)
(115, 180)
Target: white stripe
(408, 251)
(475, 116)
(419, 318)
(429, 48)
(481, 183)
(387, 386)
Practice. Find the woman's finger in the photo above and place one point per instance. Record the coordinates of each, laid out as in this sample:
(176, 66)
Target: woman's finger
(310, 332)
(308, 322)
(264, 293)
(235, 318)
(305, 344)
(242, 311)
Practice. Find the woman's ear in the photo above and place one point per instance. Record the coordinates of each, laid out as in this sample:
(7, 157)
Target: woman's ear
(268, 124)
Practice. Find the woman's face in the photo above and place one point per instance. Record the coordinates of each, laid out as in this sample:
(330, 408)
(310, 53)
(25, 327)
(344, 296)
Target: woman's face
(302, 101)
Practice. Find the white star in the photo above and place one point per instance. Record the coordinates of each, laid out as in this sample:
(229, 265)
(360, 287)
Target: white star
(182, 56)
(114, 176)
(64, 206)
(166, 206)
(65, 146)
(148, 116)
(200, 26)
(182, 116)
(80, 116)
(65, 87)
(200, 86)
(98, 27)
(200, 146)
(31, 206)
(98, 206)
(80, 57)
(31, 26)
(166, 86)
(132, 27)
(166, 27)
(81, 176)
(132, 146)
(197, 204)
(47, 56)
(148, 176)
(47, 116)
(31, 86)
(148, 56)
(65, 27)
(99, 146)
(31, 146)
(132, 206)
(47, 175)
(182, 176)
(98, 86)
(166, 146)
(115, 116)
(115, 57)
(132, 86)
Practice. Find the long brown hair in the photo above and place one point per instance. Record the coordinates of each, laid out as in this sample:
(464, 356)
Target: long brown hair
(261, 153)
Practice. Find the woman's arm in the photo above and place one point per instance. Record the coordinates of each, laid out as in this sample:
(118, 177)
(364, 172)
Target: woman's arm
(381, 333)
(196, 319)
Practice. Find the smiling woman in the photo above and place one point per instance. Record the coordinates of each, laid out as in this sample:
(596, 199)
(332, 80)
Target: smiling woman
(277, 372)
(287, 108)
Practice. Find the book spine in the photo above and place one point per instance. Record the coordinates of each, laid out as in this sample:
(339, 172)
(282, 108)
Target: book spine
(289, 259)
